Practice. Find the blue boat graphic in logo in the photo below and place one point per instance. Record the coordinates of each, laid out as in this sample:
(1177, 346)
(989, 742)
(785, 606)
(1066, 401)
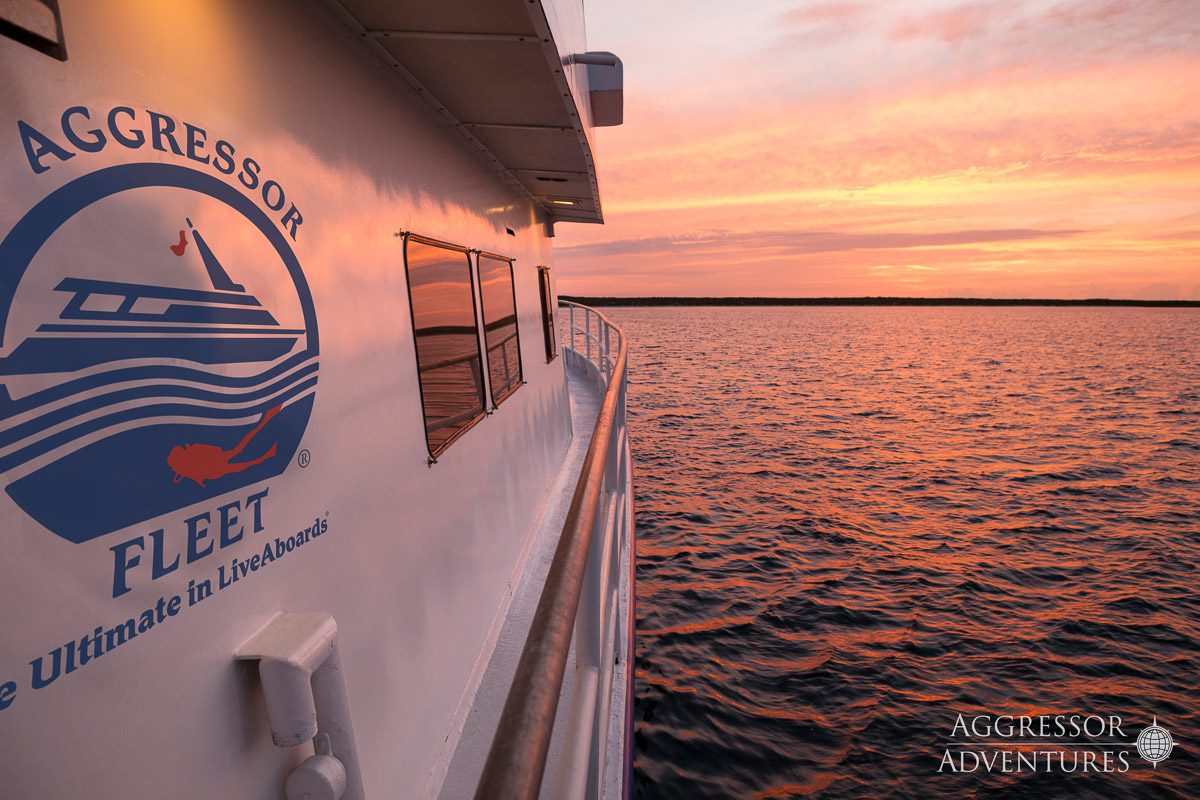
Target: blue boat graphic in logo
(122, 400)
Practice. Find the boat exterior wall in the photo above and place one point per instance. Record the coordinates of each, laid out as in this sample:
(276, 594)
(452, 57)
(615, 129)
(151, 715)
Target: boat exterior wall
(344, 514)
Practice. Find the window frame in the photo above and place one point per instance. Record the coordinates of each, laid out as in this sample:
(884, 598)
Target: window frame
(512, 285)
(549, 331)
(10, 28)
(407, 236)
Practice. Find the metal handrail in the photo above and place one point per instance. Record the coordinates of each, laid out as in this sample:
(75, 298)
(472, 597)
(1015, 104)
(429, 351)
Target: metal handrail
(517, 759)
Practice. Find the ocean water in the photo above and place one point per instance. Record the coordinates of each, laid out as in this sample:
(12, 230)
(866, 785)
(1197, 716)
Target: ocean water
(857, 524)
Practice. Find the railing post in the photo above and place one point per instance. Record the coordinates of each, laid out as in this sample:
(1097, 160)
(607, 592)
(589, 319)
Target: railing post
(612, 463)
(607, 353)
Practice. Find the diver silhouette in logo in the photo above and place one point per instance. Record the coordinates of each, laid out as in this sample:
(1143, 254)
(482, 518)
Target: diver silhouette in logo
(206, 462)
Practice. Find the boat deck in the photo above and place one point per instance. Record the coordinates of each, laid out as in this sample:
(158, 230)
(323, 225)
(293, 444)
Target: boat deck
(479, 728)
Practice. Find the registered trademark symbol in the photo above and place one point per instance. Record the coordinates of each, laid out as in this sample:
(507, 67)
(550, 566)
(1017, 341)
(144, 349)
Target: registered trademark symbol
(303, 458)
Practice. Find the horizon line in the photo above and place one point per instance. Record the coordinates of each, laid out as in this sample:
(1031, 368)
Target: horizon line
(869, 301)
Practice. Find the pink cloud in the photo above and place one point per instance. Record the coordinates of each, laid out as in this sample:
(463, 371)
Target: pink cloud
(953, 26)
(797, 242)
(839, 14)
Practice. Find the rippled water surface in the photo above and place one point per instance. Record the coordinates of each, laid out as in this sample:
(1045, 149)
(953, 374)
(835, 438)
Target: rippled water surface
(857, 523)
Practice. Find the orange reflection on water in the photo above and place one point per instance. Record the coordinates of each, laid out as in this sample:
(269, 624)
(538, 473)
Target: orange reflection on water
(705, 625)
(856, 524)
(818, 783)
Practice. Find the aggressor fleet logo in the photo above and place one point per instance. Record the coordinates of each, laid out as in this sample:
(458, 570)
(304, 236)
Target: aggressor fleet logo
(159, 341)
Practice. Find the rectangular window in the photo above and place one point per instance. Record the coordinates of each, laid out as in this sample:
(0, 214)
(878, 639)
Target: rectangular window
(547, 313)
(500, 325)
(449, 363)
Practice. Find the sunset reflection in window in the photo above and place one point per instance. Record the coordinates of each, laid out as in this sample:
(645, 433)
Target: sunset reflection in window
(447, 343)
(500, 325)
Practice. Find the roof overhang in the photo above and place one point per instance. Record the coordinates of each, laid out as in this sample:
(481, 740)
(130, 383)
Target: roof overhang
(492, 68)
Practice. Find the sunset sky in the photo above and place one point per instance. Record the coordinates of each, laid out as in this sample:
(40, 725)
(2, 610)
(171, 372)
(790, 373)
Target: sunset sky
(1024, 148)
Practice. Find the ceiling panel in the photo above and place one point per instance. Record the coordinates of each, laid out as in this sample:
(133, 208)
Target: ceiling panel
(533, 149)
(464, 16)
(465, 75)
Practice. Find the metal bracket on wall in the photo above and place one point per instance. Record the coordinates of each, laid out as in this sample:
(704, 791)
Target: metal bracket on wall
(300, 667)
